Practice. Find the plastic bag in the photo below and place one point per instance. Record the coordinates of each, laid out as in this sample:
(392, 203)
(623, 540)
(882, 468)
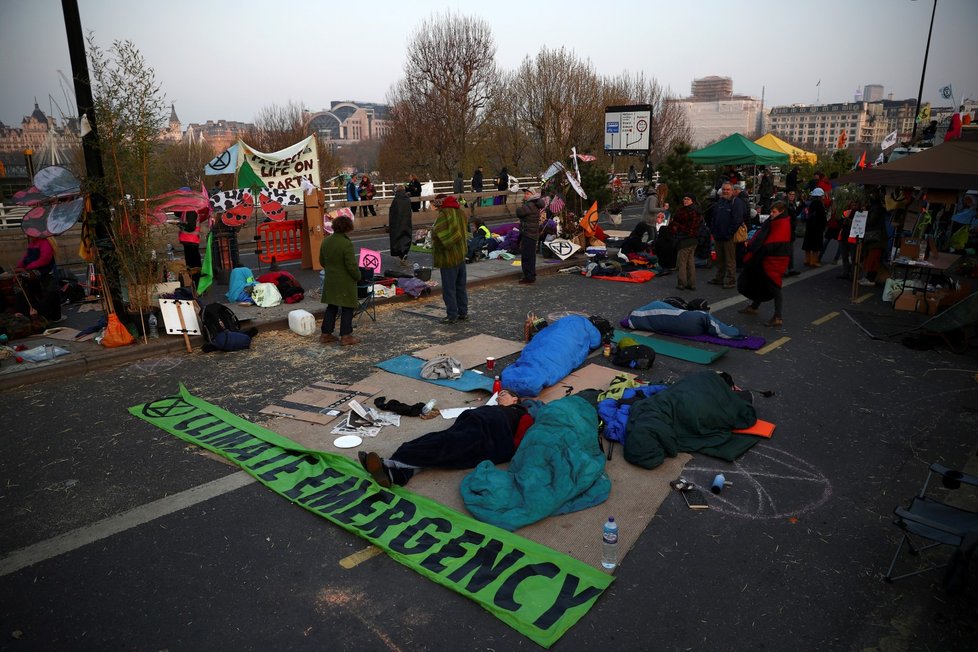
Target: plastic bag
(116, 334)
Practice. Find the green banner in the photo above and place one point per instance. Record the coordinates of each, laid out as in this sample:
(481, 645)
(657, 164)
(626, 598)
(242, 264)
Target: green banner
(537, 591)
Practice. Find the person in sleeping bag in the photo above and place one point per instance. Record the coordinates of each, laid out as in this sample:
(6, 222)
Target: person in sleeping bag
(765, 263)
(490, 432)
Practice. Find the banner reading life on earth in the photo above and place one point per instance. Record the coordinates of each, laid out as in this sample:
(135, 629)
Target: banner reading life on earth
(538, 591)
(285, 168)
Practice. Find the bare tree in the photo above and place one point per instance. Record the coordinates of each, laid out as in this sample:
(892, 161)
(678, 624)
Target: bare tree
(279, 126)
(440, 103)
(560, 101)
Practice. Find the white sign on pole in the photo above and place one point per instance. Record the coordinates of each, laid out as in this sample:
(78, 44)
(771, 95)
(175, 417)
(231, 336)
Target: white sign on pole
(858, 229)
(628, 129)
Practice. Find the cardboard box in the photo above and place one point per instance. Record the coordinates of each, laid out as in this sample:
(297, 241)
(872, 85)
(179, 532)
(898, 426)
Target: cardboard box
(911, 301)
(910, 248)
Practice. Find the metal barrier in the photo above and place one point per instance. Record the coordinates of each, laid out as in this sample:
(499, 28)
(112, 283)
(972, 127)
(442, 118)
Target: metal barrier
(279, 241)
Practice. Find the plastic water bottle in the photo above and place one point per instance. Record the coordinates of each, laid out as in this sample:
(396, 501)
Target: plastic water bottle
(153, 331)
(428, 407)
(609, 545)
(497, 385)
(170, 254)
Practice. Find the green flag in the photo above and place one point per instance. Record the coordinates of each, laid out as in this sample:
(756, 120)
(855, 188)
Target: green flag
(206, 268)
(247, 178)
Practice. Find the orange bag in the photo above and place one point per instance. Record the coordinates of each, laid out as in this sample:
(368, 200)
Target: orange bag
(116, 334)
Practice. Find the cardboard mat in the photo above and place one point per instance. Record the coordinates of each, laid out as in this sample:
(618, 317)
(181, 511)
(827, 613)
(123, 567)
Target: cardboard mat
(472, 351)
(636, 493)
(315, 402)
(671, 349)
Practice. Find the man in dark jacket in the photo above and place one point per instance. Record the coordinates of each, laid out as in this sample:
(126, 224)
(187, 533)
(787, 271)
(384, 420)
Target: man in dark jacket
(793, 209)
(728, 215)
(414, 189)
(529, 217)
(477, 180)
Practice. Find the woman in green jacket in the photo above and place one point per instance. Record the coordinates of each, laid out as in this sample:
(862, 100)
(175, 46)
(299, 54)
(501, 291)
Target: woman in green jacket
(340, 287)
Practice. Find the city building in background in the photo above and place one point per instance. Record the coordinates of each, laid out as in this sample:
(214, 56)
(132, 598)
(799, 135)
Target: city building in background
(349, 122)
(715, 112)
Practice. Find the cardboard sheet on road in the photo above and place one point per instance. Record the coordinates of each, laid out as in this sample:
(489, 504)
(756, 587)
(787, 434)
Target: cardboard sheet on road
(636, 493)
(472, 351)
(432, 310)
(311, 403)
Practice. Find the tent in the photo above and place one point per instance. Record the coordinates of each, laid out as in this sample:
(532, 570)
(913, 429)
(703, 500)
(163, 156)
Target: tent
(797, 155)
(952, 166)
(737, 150)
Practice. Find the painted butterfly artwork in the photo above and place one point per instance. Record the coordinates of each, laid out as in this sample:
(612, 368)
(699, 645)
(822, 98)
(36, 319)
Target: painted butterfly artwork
(238, 206)
(56, 200)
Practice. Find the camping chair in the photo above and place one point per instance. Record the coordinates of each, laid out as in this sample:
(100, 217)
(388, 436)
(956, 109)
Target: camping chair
(956, 325)
(365, 295)
(932, 520)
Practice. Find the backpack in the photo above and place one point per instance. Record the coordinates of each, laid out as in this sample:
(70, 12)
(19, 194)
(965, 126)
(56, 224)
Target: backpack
(215, 319)
(636, 356)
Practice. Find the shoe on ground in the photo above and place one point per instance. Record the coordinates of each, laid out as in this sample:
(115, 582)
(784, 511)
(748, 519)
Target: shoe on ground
(349, 340)
(328, 338)
(527, 281)
(448, 320)
(374, 465)
(748, 310)
(774, 322)
(463, 317)
(691, 287)
(715, 281)
(792, 272)
(865, 282)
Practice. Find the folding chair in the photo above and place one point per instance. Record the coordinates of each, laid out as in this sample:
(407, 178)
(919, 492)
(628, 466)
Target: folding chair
(928, 519)
(365, 295)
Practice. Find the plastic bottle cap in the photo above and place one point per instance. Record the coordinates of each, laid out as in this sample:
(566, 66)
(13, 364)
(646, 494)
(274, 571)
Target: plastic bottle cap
(611, 519)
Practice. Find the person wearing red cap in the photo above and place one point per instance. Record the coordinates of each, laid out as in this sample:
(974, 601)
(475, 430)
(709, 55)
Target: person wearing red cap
(448, 248)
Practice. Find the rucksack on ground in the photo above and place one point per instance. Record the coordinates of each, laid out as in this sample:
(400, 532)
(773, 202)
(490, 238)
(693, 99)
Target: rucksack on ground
(222, 329)
(636, 356)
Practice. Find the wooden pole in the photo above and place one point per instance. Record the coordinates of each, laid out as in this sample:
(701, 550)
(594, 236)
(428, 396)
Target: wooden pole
(183, 325)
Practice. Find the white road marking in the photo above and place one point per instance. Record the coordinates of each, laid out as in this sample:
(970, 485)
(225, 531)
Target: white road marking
(107, 527)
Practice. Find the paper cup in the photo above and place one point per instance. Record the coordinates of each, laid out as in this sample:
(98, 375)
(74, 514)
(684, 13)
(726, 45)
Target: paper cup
(490, 363)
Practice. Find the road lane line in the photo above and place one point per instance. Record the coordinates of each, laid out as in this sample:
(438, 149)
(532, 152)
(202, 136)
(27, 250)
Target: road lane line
(107, 527)
(863, 298)
(822, 320)
(357, 558)
(773, 345)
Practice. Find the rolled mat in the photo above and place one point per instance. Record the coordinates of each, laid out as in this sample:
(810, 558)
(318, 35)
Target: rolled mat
(672, 349)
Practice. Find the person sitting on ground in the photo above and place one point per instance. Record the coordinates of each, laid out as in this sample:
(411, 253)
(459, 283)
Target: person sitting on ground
(490, 432)
(480, 238)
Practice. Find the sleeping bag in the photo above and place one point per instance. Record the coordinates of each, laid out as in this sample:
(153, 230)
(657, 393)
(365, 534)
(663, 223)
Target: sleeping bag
(662, 317)
(558, 468)
(697, 414)
(554, 352)
(241, 278)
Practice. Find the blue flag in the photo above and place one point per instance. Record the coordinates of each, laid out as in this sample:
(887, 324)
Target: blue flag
(224, 163)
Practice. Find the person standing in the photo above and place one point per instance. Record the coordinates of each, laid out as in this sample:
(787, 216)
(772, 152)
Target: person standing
(477, 180)
(352, 192)
(340, 286)
(188, 223)
(529, 216)
(765, 263)
(458, 185)
(685, 225)
(793, 209)
(399, 225)
(814, 228)
(766, 191)
(414, 190)
(791, 180)
(448, 247)
(367, 192)
(632, 175)
(502, 184)
(728, 215)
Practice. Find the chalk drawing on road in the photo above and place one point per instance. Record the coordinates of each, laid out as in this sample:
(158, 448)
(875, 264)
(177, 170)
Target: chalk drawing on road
(767, 483)
(157, 365)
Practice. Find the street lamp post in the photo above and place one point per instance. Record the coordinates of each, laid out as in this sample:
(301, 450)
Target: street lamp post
(923, 72)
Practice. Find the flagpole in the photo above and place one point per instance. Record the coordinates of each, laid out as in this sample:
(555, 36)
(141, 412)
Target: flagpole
(923, 73)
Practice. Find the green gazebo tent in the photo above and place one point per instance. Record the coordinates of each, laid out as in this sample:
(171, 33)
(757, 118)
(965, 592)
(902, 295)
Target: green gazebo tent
(737, 150)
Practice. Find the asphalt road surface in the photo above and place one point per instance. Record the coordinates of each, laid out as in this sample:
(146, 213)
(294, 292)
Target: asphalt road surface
(788, 557)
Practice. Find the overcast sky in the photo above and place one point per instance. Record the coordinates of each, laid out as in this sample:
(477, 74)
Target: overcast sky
(227, 60)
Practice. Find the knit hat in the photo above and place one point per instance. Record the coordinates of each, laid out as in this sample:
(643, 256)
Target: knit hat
(690, 195)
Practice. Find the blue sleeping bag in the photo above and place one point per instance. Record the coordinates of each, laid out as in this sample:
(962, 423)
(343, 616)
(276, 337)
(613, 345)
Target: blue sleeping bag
(241, 278)
(662, 317)
(554, 352)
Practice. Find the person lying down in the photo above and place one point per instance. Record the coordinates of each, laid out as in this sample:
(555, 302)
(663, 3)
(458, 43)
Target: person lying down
(490, 432)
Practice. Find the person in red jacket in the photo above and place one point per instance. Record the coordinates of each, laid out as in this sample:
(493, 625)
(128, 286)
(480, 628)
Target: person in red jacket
(765, 263)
